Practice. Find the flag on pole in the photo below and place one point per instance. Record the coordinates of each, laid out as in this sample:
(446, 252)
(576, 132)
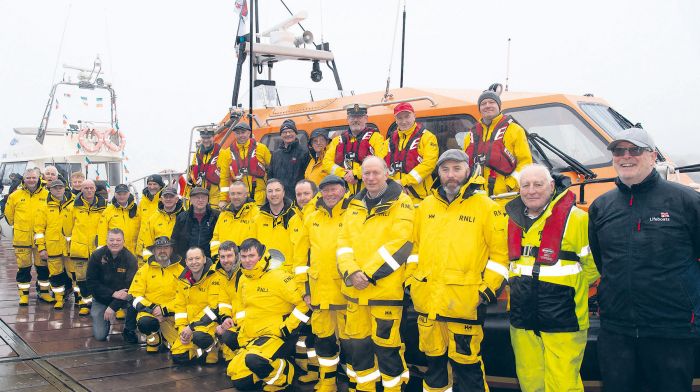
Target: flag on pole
(99, 102)
(67, 95)
(65, 120)
(242, 9)
(85, 100)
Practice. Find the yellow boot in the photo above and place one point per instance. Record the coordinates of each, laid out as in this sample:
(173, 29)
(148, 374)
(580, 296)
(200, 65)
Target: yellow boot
(45, 292)
(120, 314)
(153, 343)
(23, 294)
(213, 356)
(59, 300)
(85, 306)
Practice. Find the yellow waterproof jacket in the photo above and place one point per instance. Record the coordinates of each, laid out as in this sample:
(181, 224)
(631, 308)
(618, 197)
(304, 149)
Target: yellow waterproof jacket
(560, 309)
(214, 190)
(229, 301)
(154, 286)
(20, 212)
(194, 300)
(82, 227)
(50, 225)
(234, 225)
(159, 224)
(419, 181)
(376, 242)
(378, 145)
(315, 171)
(264, 156)
(314, 255)
(459, 255)
(276, 231)
(270, 303)
(125, 218)
(515, 141)
(148, 205)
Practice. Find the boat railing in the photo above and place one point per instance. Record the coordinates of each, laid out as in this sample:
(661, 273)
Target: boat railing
(308, 114)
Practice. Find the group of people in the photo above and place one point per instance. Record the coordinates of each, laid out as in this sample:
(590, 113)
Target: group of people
(303, 261)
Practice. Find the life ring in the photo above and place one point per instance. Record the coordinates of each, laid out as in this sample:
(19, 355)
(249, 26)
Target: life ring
(107, 140)
(90, 140)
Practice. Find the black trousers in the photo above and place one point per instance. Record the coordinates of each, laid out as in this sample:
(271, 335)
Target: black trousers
(645, 364)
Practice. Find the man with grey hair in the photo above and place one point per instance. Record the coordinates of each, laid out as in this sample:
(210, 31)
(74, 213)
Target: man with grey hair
(451, 283)
(20, 212)
(551, 270)
(50, 174)
(645, 239)
(373, 247)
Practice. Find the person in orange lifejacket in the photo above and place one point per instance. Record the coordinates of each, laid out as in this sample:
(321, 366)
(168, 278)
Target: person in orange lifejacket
(204, 171)
(412, 152)
(346, 152)
(498, 147)
(246, 160)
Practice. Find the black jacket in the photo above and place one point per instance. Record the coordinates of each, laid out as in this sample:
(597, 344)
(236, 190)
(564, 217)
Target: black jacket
(189, 232)
(288, 165)
(107, 274)
(646, 244)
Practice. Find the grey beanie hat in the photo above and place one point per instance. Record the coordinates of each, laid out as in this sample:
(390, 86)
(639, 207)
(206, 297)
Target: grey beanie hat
(489, 94)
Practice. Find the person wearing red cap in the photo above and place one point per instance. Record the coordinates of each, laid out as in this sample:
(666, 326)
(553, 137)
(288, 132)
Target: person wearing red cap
(497, 147)
(412, 152)
(346, 152)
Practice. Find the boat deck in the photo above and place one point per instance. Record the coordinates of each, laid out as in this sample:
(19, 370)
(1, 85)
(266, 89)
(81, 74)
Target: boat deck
(43, 350)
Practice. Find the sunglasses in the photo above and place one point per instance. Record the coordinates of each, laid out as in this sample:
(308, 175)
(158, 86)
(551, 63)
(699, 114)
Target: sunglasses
(634, 151)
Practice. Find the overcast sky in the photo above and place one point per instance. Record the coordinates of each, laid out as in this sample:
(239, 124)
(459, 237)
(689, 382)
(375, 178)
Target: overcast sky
(172, 62)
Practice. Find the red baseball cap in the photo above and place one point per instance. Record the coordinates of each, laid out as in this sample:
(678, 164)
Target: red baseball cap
(403, 107)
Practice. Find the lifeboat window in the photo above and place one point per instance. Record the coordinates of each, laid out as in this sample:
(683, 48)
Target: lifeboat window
(449, 130)
(566, 130)
(12, 167)
(606, 117)
(273, 141)
(66, 169)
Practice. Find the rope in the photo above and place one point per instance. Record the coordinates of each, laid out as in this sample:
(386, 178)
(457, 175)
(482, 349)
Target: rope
(60, 45)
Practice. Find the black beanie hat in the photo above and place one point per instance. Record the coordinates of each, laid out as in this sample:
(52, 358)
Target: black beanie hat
(289, 124)
(155, 178)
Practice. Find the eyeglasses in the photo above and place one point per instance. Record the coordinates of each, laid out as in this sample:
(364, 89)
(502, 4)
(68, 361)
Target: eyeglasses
(634, 151)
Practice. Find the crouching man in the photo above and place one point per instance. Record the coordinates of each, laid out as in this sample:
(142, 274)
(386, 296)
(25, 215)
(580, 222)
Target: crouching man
(110, 271)
(196, 295)
(152, 294)
(271, 311)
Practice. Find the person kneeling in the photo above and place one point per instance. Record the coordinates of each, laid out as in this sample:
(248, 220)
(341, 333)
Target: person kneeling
(195, 297)
(152, 294)
(110, 271)
(271, 311)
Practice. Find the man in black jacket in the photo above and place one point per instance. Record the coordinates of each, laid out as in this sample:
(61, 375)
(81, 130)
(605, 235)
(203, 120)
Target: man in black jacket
(109, 274)
(196, 226)
(645, 239)
(289, 162)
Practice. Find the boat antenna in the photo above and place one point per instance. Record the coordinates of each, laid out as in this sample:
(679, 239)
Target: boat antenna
(403, 42)
(60, 45)
(508, 65)
(391, 59)
(292, 13)
(251, 60)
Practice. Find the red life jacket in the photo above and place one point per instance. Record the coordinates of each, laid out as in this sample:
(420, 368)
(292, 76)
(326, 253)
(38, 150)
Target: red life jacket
(405, 160)
(209, 170)
(492, 153)
(550, 244)
(353, 151)
(248, 166)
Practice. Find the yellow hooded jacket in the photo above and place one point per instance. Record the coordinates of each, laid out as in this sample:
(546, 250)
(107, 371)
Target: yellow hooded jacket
(158, 225)
(125, 218)
(195, 299)
(234, 225)
(82, 227)
(515, 141)
(419, 180)
(148, 205)
(20, 212)
(264, 156)
(270, 303)
(154, 286)
(276, 231)
(50, 224)
(314, 255)
(460, 254)
(376, 242)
